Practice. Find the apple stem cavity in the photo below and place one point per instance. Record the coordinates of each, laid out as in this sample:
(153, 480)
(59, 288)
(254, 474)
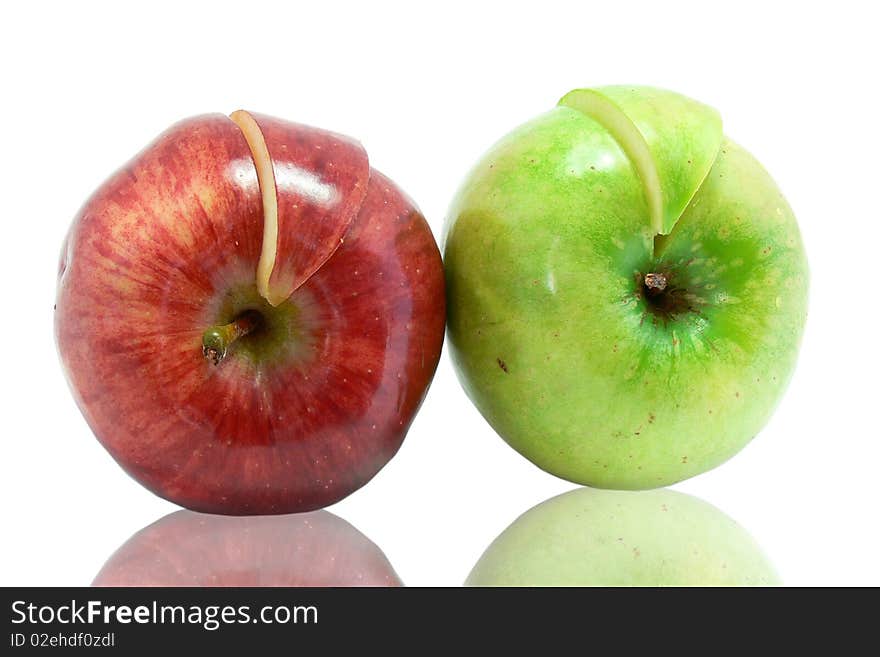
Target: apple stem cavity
(217, 339)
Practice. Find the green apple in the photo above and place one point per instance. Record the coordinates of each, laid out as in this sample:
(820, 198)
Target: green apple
(590, 537)
(627, 289)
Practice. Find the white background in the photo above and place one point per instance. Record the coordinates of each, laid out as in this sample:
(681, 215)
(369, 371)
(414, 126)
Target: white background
(427, 89)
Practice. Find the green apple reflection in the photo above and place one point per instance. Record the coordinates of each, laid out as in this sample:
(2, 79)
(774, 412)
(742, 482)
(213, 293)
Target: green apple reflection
(590, 537)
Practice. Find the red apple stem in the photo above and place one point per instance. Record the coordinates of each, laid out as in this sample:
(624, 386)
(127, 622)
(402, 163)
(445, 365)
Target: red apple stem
(217, 339)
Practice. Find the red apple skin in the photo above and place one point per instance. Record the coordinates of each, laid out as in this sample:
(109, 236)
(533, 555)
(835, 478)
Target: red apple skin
(321, 179)
(167, 248)
(194, 549)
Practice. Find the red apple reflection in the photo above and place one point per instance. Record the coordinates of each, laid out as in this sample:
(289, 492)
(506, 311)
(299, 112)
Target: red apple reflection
(249, 316)
(194, 549)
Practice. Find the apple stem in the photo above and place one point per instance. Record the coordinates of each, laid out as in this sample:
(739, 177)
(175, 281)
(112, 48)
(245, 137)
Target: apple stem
(217, 339)
(655, 283)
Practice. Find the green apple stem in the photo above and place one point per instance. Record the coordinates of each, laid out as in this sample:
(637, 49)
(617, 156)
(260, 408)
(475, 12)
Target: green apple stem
(655, 283)
(217, 339)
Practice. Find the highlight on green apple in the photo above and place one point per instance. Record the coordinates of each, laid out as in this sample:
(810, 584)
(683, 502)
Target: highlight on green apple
(627, 289)
(590, 537)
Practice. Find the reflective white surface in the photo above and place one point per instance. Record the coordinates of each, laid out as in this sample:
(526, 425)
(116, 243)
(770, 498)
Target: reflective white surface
(90, 87)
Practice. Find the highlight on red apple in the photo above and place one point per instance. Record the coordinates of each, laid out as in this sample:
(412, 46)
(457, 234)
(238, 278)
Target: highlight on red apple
(627, 289)
(195, 549)
(249, 315)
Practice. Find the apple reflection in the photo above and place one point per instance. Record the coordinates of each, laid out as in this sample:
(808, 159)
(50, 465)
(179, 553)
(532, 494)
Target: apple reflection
(195, 549)
(590, 537)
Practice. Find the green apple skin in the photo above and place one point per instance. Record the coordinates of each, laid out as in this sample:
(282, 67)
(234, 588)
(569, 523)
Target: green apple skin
(552, 331)
(590, 537)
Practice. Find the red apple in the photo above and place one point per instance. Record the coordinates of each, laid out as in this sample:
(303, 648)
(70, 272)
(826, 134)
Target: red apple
(249, 316)
(195, 549)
